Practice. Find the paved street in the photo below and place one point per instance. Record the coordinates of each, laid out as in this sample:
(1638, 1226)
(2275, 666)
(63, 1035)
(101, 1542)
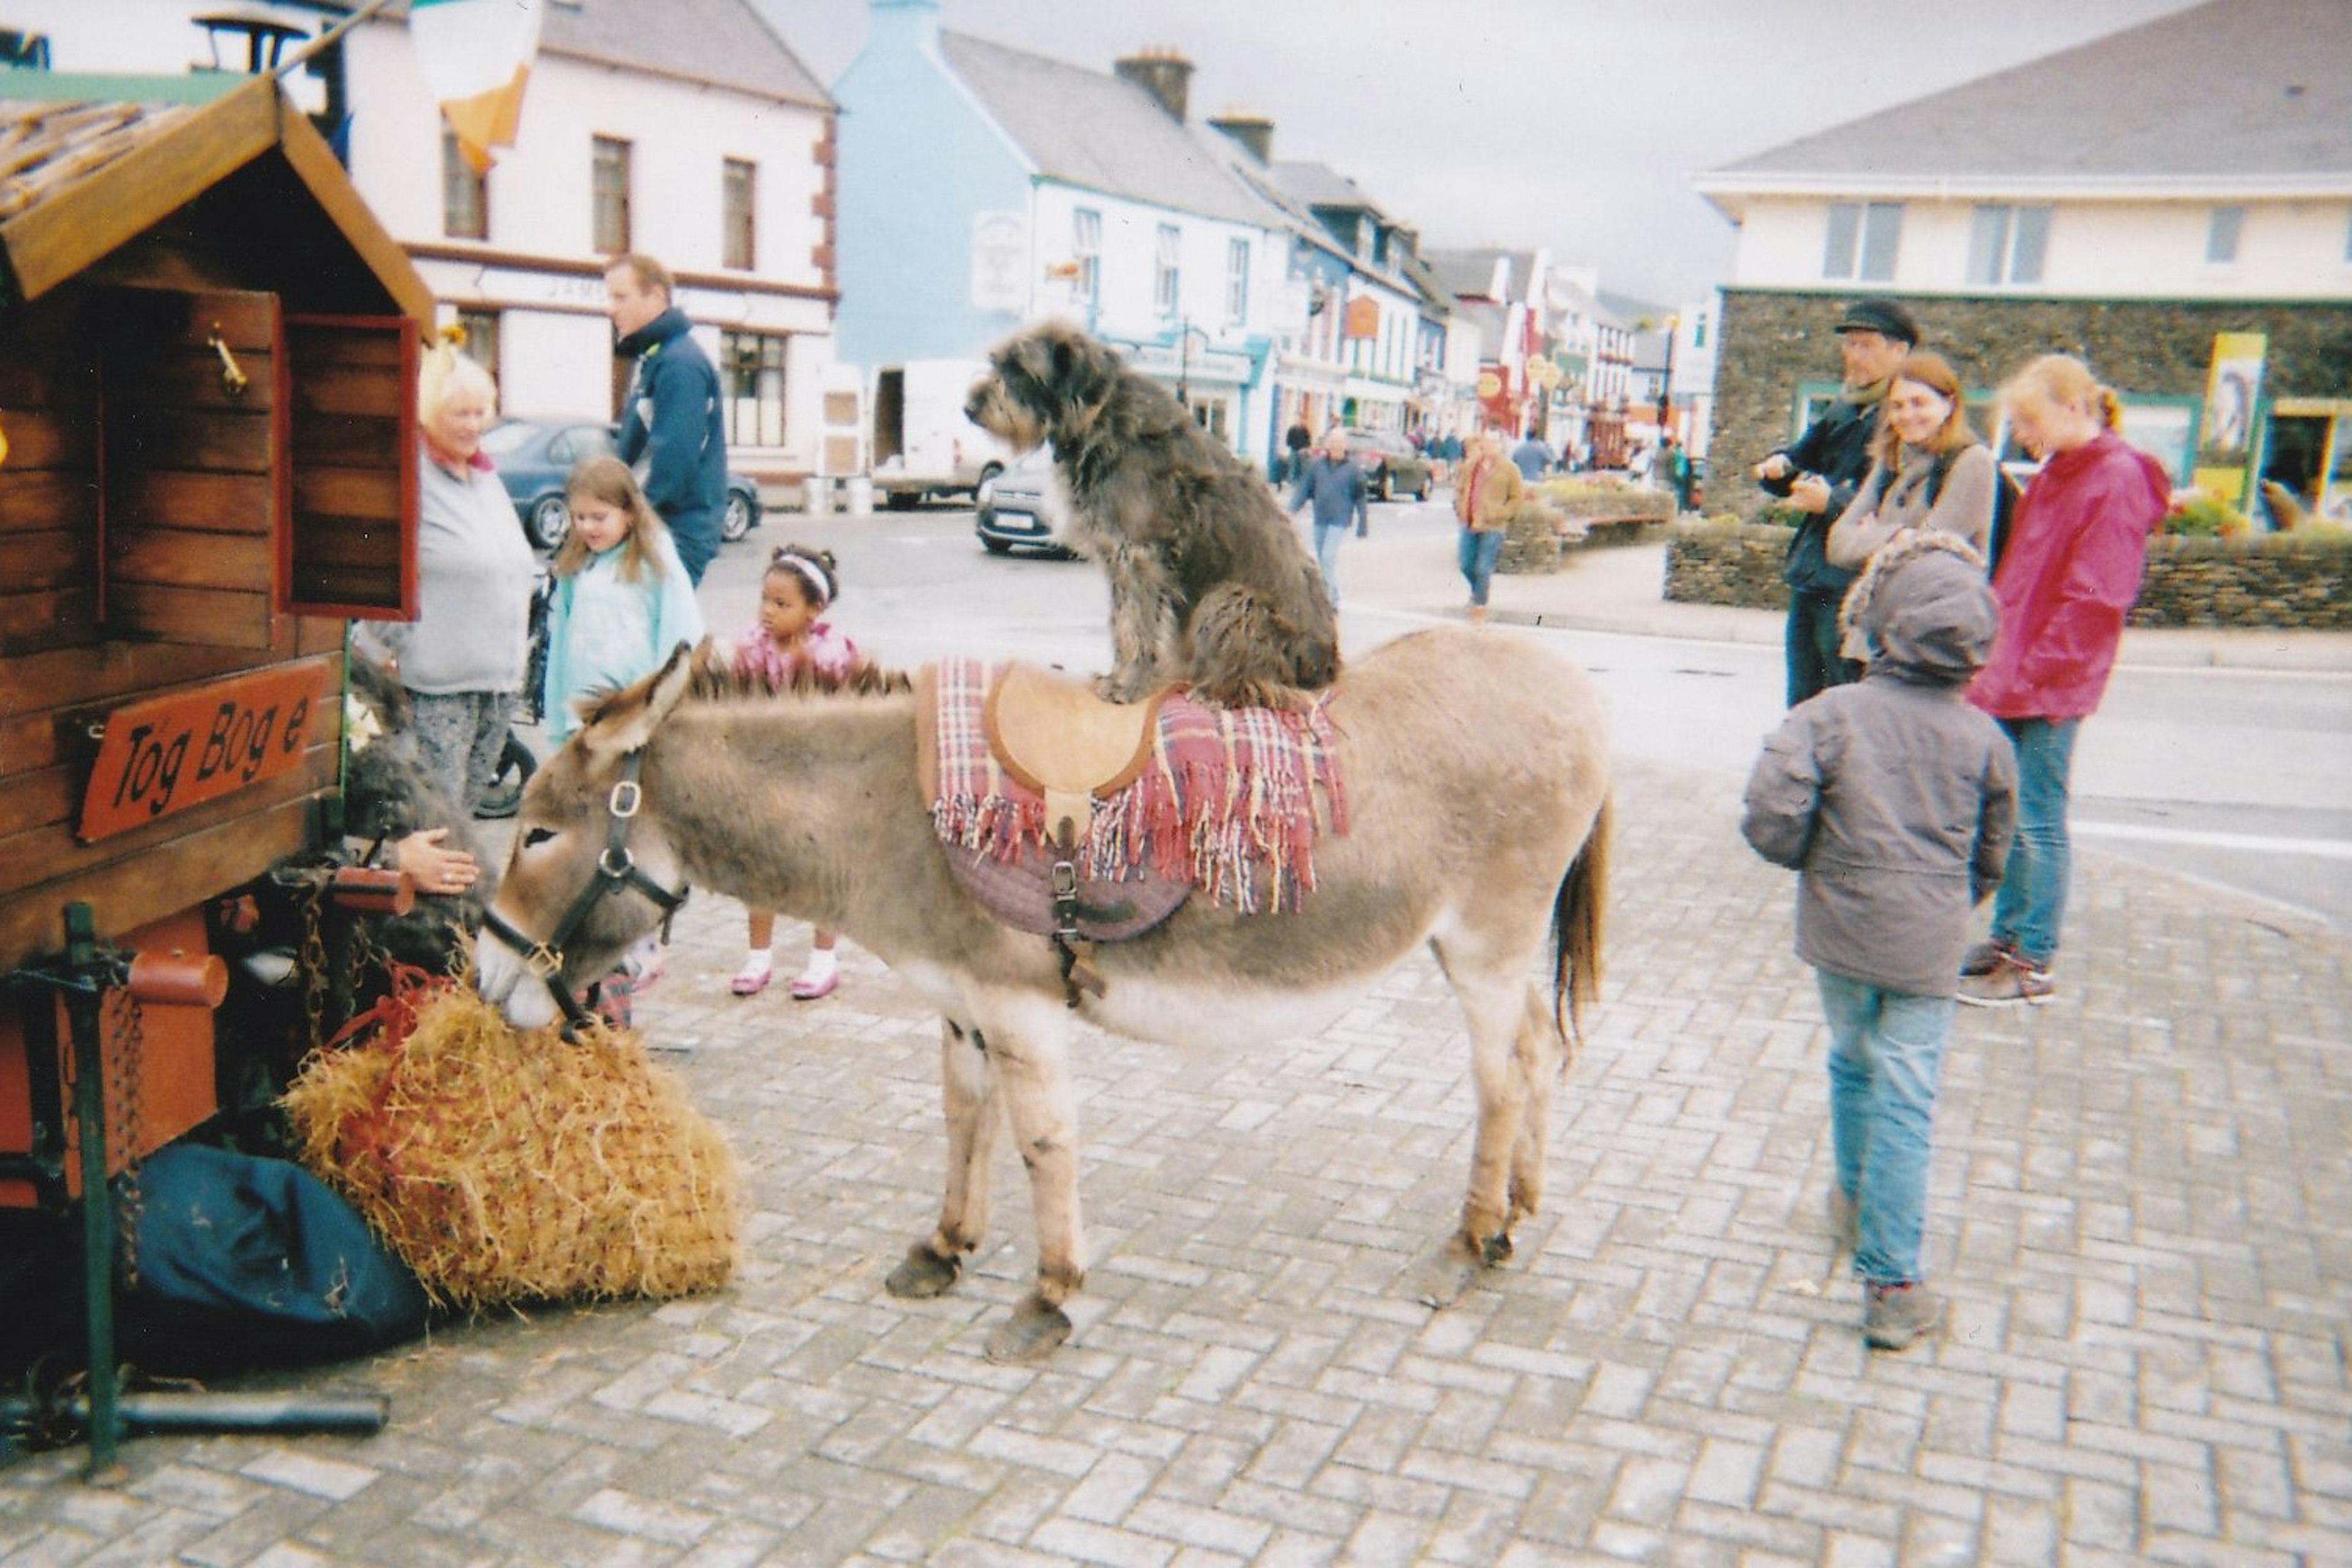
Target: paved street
(2142, 1210)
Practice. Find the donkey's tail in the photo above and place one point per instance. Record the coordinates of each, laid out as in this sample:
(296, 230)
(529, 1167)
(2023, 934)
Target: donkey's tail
(1579, 912)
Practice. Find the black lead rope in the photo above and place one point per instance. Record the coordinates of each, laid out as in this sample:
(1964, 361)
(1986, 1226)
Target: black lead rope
(616, 869)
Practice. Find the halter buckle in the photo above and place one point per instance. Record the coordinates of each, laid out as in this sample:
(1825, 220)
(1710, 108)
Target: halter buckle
(543, 961)
(628, 791)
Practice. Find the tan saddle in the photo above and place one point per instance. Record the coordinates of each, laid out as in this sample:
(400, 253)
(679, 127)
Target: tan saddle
(1053, 734)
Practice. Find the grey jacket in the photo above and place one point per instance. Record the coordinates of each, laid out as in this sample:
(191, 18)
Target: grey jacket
(1893, 798)
(1912, 497)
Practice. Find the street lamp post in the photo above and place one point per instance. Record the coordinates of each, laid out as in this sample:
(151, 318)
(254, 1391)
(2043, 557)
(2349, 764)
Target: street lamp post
(1666, 385)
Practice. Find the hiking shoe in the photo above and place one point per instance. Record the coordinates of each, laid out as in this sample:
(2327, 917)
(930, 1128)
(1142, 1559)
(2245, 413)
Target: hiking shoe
(2013, 981)
(1900, 1316)
(1986, 956)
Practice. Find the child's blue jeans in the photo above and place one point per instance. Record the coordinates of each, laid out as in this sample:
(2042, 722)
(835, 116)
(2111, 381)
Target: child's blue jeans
(1887, 1055)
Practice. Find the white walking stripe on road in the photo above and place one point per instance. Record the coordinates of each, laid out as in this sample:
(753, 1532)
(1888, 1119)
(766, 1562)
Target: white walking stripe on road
(2256, 843)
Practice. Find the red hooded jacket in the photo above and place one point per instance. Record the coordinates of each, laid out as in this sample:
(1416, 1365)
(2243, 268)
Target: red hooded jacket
(2068, 576)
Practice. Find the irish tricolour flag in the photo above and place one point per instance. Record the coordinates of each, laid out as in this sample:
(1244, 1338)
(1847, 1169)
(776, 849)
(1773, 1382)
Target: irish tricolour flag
(475, 56)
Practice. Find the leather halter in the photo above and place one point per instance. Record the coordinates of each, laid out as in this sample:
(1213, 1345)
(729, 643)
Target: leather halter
(615, 870)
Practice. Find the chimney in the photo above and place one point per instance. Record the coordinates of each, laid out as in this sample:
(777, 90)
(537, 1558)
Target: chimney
(1162, 72)
(1253, 132)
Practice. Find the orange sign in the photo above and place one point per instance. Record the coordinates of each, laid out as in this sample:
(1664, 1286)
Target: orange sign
(169, 754)
(1363, 317)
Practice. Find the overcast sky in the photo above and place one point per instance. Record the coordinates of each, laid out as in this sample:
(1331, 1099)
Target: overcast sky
(1573, 124)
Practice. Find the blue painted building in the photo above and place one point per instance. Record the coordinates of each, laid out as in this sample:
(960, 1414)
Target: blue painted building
(983, 186)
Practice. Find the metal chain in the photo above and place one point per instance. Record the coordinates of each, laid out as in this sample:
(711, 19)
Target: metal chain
(123, 1043)
(314, 967)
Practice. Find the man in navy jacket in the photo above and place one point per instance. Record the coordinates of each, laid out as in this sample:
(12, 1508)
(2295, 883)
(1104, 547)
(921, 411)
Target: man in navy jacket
(670, 423)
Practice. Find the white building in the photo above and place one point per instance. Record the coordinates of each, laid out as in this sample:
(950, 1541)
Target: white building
(2172, 201)
(686, 128)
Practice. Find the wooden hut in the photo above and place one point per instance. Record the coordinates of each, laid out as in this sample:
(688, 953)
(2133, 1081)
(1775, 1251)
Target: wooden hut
(208, 352)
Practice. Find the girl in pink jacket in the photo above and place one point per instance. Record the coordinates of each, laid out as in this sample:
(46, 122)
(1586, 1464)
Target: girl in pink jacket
(2069, 575)
(788, 640)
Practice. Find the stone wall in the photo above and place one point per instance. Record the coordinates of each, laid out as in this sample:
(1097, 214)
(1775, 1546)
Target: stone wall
(1772, 341)
(1710, 561)
(2293, 581)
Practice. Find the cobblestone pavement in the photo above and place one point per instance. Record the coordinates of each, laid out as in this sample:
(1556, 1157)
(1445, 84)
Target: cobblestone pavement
(2141, 1210)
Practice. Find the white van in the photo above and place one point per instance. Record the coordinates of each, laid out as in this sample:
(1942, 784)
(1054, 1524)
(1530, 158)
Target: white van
(923, 445)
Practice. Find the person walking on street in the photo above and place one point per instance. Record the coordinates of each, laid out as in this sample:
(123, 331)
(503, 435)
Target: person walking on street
(1334, 483)
(2070, 574)
(670, 420)
(1678, 474)
(1531, 456)
(1894, 801)
(1819, 474)
(1486, 494)
(1298, 441)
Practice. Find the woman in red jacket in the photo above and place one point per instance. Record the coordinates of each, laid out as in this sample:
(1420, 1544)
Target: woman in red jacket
(2069, 575)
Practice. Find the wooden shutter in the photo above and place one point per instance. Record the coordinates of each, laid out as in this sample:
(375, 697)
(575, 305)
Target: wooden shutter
(349, 546)
(189, 464)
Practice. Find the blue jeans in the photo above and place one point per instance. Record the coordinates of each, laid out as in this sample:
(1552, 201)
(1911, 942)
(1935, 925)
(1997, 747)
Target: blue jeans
(1479, 552)
(1887, 1053)
(2032, 897)
(1327, 558)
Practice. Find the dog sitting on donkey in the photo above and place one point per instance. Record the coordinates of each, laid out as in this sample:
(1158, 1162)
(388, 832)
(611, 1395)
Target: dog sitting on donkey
(1210, 586)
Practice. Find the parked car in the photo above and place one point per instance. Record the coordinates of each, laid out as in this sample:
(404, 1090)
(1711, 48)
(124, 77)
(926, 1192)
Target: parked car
(1392, 467)
(535, 456)
(1024, 505)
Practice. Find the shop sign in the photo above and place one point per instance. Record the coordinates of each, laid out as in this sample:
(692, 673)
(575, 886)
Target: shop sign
(2231, 387)
(1363, 317)
(167, 754)
(1000, 261)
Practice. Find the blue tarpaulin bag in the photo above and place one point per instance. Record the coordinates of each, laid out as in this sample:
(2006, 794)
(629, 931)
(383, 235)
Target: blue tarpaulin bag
(234, 1252)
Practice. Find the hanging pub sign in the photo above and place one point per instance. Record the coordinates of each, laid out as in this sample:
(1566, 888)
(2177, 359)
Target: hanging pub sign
(1363, 318)
(2223, 441)
(169, 754)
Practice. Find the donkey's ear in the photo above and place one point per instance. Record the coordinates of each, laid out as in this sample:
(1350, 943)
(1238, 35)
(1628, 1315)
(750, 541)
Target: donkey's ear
(627, 725)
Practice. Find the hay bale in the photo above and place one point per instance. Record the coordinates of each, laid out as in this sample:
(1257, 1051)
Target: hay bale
(504, 1167)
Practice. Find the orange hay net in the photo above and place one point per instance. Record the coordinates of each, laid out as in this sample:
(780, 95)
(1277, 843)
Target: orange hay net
(507, 1167)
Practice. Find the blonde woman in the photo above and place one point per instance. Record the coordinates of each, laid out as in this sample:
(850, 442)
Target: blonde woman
(2068, 575)
(462, 660)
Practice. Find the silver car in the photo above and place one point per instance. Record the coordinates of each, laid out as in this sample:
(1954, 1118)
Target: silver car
(1024, 506)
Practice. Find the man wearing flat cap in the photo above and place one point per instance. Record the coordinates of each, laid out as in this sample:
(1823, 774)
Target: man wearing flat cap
(1818, 474)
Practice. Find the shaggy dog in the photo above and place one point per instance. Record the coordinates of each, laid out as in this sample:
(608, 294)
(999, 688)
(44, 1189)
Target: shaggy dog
(1208, 584)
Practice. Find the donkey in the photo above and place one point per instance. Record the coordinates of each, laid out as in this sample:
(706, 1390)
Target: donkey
(1476, 780)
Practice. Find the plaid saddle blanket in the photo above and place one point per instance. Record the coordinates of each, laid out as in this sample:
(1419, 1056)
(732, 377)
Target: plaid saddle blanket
(1229, 801)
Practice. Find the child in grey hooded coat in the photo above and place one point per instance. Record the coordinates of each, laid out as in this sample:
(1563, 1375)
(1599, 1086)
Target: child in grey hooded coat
(1895, 801)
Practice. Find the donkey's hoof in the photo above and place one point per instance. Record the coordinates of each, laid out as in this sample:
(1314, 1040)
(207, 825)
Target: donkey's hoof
(1459, 1265)
(923, 1275)
(1034, 1330)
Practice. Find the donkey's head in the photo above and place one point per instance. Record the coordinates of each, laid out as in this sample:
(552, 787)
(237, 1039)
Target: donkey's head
(592, 869)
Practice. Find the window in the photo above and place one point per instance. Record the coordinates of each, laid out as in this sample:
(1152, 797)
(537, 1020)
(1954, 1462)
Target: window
(465, 195)
(2221, 234)
(2006, 244)
(1237, 266)
(1166, 287)
(609, 184)
(1086, 249)
(1698, 331)
(738, 189)
(480, 344)
(751, 387)
(1862, 241)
